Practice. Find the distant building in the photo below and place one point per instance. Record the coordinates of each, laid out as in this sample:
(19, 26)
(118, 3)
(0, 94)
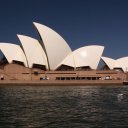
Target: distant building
(51, 53)
(52, 58)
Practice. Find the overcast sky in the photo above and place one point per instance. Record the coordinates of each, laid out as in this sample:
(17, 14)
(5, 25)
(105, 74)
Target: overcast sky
(79, 22)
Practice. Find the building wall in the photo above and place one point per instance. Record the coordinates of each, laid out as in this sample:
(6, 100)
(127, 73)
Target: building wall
(18, 72)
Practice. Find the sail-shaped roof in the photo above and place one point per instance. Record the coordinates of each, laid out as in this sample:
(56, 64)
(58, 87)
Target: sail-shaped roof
(13, 52)
(118, 63)
(84, 56)
(109, 62)
(55, 46)
(122, 63)
(33, 51)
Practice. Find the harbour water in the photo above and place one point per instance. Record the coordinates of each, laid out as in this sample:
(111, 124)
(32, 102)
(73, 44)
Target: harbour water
(63, 107)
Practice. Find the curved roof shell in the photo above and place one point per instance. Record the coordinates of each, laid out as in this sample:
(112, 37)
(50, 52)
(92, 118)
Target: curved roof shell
(33, 51)
(109, 62)
(122, 63)
(69, 61)
(55, 46)
(13, 52)
(118, 63)
(85, 56)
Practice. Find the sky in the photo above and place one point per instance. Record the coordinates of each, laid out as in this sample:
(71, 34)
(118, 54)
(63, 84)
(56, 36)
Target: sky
(79, 22)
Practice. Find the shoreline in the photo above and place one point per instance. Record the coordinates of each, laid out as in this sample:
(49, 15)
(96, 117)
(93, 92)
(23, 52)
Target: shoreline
(61, 83)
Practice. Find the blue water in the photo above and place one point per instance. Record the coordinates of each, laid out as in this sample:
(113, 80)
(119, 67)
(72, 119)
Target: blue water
(63, 107)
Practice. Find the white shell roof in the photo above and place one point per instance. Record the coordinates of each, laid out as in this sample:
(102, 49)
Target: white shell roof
(109, 62)
(13, 52)
(122, 63)
(55, 46)
(33, 51)
(119, 63)
(85, 56)
(69, 61)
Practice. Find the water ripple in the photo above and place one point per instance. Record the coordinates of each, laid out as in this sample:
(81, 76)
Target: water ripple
(63, 107)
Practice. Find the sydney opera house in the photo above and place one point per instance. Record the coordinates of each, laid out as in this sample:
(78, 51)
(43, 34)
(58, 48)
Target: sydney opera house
(51, 58)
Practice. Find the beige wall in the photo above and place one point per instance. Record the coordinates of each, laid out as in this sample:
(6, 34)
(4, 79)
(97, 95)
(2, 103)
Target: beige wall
(18, 72)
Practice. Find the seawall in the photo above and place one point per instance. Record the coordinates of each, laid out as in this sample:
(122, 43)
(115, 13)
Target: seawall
(61, 82)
